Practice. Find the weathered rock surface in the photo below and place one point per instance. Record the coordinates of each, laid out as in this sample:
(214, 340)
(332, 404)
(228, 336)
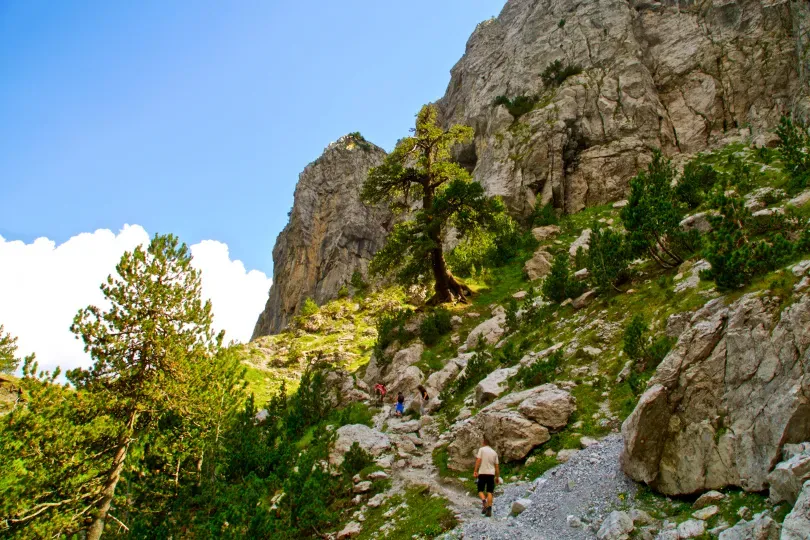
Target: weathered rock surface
(797, 523)
(389, 372)
(670, 75)
(331, 233)
(762, 527)
(539, 265)
(369, 439)
(493, 385)
(343, 389)
(511, 435)
(546, 232)
(491, 330)
(730, 394)
(550, 408)
(788, 477)
(617, 526)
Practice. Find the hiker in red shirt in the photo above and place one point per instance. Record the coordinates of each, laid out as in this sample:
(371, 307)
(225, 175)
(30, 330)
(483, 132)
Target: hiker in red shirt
(380, 390)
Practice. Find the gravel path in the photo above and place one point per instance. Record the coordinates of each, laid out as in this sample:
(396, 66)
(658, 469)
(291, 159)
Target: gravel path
(587, 487)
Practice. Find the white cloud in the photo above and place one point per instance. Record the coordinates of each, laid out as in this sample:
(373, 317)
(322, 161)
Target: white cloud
(43, 285)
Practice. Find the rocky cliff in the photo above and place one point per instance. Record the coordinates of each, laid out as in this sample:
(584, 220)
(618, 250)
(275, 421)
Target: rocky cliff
(330, 233)
(680, 75)
(726, 399)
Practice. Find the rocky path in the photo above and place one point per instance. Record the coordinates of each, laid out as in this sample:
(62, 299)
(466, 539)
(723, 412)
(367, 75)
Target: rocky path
(567, 502)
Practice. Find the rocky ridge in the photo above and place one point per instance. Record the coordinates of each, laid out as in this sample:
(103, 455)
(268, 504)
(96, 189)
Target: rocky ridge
(330, 235)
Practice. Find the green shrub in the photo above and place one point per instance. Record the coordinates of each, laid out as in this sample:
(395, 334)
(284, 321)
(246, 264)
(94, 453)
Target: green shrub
(434, 326)
(608, 257)
(355, 460)
(633, 340)
(556, 73)
(559, 284)
(358, 284)
(479, 366)
(511, 316)
(543, 214)
(309, 308)
(541, 371)
(518, 106)
(561, 23)
(343, 292)
(794, 146)
(390, 328)
(695, 182)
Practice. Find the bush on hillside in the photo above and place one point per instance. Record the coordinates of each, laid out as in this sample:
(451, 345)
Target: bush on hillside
(560, 284)
(309, 308)
(391, 328)
(638, 347)
(435, 325)
(355, 460)
(794, 147)
(541, 371)
(695, 182)
(517, 106)
(608, 257)
(556, 73)
(543, 214)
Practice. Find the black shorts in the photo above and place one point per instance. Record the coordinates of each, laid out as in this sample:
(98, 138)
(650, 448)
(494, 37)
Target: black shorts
(486, 483)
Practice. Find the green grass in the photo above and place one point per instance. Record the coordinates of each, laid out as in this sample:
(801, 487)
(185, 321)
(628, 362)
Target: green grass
(424, 516)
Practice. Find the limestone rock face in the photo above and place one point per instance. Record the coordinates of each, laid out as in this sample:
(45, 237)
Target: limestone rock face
(722, 404)
(331, 233)
(493, 385)
(681, 76)
(797, 523)
(372, 441)
(550, 408)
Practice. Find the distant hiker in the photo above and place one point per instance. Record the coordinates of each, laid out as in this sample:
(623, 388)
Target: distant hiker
(488, 473)
(380, 390)
(400, 404)
(425, 398)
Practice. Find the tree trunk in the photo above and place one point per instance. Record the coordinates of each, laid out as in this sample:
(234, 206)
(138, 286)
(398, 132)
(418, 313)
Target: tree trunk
(445, 285)
(107, 494)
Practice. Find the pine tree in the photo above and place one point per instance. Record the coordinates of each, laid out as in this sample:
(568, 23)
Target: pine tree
(651, 217)
(607, 257)
(421, 167)
(8, 352)
(559, 284)
(145, 349)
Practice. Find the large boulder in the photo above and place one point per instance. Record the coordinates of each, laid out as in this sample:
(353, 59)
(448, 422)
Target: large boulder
(510, 434)
(372, 441)
(724, 401)
(617, 526)
(550, 408)
(788, 477)
(761, 527)
(407, 381)
(493, 385)
(547, 232)
(343, 389)
(462, 450)
(539, 265)
(797, 523)
(491, 330)
(438, 380)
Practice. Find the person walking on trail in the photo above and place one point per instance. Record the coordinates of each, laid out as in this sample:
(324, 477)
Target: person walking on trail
(425, 398)
(400, 410)
(380, 390)
(488, 472)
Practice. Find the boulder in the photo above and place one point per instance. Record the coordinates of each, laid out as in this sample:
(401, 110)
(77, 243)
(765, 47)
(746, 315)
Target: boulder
(584, 299)
(539, 265)
(398, 426)
(495, 384)
(677, 323)
(351, 530)
(550, 408)
(582, 274)
(491, 330)
(707, 499)
(520, 505)
(620, 204)
(691, 528)
(461, 452)
(407, 381)
(697, 222)
(583, 241)
(788, 477)
(731, 393)
(369, 439)
(801, 268)
(801, 199)
(510, 434)
(797, 523)
(617, 526)
(546, 232)
(707, 513)
(438, 380)
(362, 487)
(403, 359)
(762, 527)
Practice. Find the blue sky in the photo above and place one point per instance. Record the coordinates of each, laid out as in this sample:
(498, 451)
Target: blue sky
(195, 117)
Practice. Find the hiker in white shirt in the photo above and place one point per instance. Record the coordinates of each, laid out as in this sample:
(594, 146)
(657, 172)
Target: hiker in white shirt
(488, 472)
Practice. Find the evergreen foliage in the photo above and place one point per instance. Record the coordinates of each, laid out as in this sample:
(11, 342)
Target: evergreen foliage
(8, 352)
(608, 257)
(638, 346)
(695, 183)
(651, 216)
(541, 371)
(556, 73)
(517, 106)
(794, 147)
(391, 328)
(421, 166)
(560, 284)
(435, 325)
(543, 214)
(309, 308)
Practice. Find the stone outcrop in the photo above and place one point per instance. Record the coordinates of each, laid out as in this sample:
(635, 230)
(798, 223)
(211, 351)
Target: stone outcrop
(493, 385)
(680, 76)
(331, 233)
(797, 523)
(539, 265)
(369, 439)
(788, 477)
(761, 527)
(723, 403)
(491, 330)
